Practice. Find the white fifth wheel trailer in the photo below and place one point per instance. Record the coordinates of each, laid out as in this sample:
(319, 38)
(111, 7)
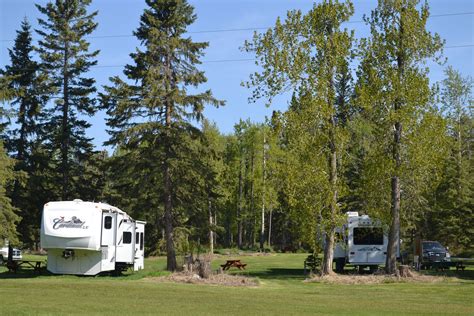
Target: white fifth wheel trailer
(362, 242)
(87, 238)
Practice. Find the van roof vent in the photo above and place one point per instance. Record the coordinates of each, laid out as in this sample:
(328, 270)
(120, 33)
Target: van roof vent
(77, 200)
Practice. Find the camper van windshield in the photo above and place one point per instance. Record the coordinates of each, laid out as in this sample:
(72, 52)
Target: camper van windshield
(368, 236)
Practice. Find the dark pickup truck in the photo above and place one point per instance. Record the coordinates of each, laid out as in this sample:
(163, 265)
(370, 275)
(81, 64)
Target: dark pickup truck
(434, 254)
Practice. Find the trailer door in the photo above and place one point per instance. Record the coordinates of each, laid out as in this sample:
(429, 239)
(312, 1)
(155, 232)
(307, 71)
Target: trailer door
(139, 246)
(125, 237)
(109, 221)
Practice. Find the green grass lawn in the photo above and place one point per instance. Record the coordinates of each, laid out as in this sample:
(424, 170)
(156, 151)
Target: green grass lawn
(281, 292)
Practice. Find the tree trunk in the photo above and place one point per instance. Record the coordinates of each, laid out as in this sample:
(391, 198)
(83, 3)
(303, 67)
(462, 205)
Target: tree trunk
(394, 232)
(239, 208)
(262, 226)
(64, 127)
(252, 211)
(170, 252)
(270, 228)
(211, 233)
(329, 244)
(215, 225)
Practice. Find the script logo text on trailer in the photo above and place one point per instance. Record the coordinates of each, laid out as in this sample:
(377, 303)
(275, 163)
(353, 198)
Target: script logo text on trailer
(75, 222)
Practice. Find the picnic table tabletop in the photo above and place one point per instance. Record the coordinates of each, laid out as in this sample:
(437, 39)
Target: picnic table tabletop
(233, 263)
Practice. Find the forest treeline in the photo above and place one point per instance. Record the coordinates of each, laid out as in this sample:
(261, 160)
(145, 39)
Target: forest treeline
(365, 130)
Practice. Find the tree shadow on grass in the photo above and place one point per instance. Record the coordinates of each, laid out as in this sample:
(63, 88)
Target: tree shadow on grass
(464, 275)
(24, 274)
(278, 274)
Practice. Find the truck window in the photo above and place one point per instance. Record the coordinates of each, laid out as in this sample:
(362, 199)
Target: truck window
(368, 236)
(108, 222)
(127, 237)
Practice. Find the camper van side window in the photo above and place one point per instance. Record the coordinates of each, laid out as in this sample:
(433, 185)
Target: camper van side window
(127, 237)
(108, 222)
(141, 241)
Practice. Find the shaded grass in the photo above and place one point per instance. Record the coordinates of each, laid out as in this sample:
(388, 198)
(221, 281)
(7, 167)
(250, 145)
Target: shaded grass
(281, 292)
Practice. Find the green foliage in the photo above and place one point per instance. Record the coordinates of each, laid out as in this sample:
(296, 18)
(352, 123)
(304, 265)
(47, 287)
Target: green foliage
(8, 216)
(450, 219)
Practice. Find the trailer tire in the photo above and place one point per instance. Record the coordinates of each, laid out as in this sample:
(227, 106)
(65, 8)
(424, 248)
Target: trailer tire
(1, 260)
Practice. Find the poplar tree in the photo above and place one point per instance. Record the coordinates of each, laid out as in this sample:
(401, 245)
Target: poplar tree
(394, 90)
(306, 53)
(65, 58)
(451, 219)
(156, 112)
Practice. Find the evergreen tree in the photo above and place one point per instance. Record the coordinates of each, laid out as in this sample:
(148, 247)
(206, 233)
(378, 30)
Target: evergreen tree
(8, 216)
(29, 86)
(66, 57)
(155, 113)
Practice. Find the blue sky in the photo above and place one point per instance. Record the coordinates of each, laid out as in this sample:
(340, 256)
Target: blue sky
(118, 18)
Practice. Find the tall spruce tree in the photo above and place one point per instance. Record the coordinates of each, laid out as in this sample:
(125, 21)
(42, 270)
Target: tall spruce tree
(307, 52)
(155, 113)
(394, 89)
(30, 87)
(66, 57)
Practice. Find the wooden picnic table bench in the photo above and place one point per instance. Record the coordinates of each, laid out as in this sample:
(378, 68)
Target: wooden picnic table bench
(233, 263)
(13, 266)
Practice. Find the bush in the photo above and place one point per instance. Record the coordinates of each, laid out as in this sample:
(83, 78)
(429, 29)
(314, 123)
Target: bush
(313, 263)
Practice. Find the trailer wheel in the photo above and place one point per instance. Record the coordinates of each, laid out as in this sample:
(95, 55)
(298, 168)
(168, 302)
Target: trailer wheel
(1, 260)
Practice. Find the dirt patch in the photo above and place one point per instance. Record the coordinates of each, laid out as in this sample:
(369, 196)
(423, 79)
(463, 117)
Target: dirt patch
(374, 279)
(217, 279)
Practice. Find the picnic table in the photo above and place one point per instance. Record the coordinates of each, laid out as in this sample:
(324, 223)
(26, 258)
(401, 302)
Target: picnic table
(233, 263)
(13, 266)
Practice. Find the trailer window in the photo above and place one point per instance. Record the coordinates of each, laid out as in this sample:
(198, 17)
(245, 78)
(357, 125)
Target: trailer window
(108, 222)
(141, 241)
(127, 237)
(368, 236)
(137, 238)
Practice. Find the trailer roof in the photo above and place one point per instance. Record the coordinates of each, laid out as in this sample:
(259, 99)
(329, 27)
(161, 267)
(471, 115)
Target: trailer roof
(98, 205)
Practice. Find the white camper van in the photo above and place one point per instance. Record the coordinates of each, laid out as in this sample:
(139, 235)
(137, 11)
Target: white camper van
(361, 242)
(86, 238)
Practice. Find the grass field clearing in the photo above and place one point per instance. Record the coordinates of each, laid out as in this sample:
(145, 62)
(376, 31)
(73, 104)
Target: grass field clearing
(281, 291)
